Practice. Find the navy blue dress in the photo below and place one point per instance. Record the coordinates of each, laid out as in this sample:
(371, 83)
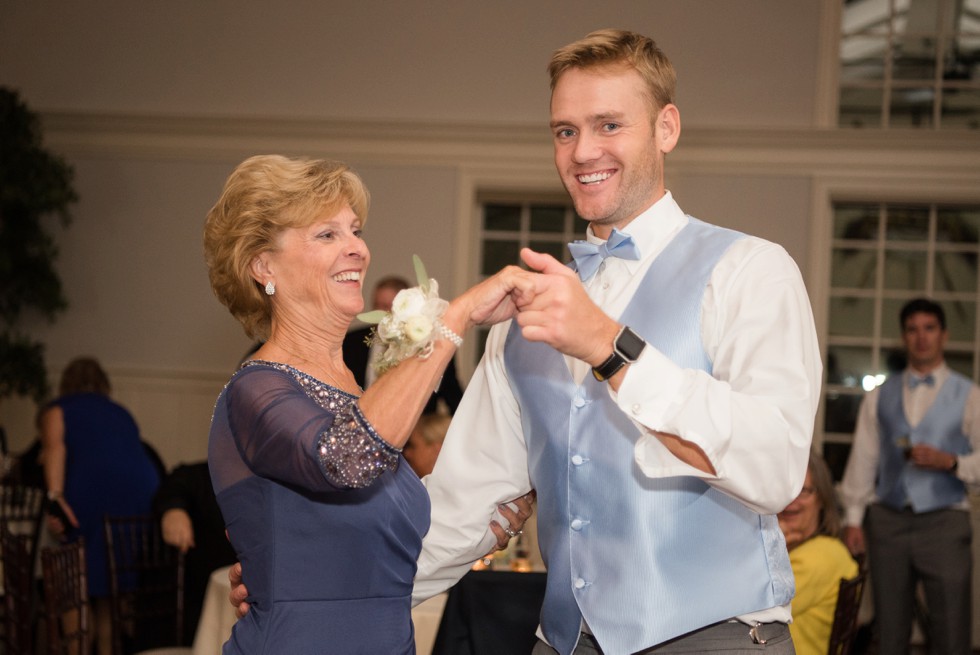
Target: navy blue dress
(326, 518)
(107, 471)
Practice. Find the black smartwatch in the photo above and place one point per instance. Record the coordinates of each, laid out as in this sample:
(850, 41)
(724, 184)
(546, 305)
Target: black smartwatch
(626, 350)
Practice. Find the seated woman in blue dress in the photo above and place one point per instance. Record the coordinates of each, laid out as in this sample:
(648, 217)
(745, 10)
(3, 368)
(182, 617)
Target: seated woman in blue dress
(324, 513)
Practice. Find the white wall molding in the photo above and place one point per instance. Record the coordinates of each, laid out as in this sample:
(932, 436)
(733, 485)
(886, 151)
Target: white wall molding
(794, 152)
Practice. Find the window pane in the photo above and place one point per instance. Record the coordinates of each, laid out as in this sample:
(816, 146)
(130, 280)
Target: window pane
(961, 363)
(847, 365)
(547, 219)
(840, 414)
(497, 254)
(912, 107)
(921, 67)
(860, 106)
(852, 268)
(862, 57)
(961, 107)
(907, 223)
(905, 270)
(856, 222)
(558, 250)
(961, 319)
(957, 224)
(501, 217)
(851, 317)
(890, 309)
(893, 360)
(956, 271)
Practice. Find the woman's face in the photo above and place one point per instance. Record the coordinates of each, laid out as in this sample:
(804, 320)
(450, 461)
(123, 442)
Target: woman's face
(318, 271)
(801, 518)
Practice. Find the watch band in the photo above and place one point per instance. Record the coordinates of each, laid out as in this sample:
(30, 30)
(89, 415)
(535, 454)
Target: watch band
(626, 349)
(608, 368)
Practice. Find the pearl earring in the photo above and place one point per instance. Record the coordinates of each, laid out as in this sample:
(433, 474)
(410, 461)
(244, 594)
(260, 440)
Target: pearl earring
(270, 288)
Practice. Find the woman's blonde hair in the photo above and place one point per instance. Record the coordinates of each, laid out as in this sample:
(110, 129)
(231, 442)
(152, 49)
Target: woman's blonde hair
(263, 196)
(612, 47)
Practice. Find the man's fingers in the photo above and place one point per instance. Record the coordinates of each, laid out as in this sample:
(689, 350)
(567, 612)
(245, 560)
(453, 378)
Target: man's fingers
(544, 263)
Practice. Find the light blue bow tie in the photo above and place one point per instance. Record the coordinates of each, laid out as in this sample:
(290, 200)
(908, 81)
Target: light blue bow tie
(915, 380)
(588, 256)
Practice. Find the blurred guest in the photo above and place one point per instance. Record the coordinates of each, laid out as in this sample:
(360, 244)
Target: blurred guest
(94, 464)
(425, 442)
(321, 507)
(358, 355)
(916, 447)
(811, 525)
(191, 521)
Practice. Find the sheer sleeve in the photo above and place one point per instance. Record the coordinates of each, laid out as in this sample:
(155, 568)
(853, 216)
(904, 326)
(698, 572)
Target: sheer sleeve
(289, 427)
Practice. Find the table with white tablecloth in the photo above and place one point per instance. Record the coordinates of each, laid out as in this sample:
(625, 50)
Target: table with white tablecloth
(218, 617)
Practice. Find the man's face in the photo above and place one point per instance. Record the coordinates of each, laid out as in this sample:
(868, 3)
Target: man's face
(924, 340)
(607, 152)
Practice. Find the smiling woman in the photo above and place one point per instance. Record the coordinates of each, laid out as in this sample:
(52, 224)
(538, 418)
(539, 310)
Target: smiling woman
(306, 467)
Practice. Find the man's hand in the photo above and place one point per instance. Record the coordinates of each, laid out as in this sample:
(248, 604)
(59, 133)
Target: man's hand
(177, 529)
(238, 592)
(854, 540)
(931, 458)
(560, 313)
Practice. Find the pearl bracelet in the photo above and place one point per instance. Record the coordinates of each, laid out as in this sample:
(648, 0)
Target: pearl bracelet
(449, 334)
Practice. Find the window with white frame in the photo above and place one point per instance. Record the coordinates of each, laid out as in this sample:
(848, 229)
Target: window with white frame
(509, 222)
(883, 255)
(910, 63)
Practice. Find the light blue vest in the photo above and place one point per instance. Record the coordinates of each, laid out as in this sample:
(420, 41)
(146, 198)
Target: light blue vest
(900, 482)
(643, 560)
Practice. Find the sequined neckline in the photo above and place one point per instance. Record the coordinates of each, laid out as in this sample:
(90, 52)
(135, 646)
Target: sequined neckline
(295, 372)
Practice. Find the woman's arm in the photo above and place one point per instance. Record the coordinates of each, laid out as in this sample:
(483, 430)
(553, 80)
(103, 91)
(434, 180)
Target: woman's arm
(53, 456)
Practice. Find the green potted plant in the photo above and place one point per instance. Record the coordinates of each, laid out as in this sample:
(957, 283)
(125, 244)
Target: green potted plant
(34, 185)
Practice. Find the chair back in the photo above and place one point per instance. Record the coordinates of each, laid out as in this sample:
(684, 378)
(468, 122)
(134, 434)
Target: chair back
(146, 585)
(18, 584)
(845, 626)
(22, 507)
(65, 598)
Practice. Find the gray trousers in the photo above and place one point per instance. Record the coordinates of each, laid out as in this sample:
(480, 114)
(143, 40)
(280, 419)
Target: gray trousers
(729, 637)
(932, 548)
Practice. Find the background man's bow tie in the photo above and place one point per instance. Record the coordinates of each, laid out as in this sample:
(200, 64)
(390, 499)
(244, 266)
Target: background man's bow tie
(915, 380)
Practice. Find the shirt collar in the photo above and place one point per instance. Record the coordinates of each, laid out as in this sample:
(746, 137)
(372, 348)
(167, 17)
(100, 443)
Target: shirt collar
(940, 373)
(651, 231)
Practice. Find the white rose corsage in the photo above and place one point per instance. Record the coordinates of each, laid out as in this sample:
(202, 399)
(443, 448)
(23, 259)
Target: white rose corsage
(413, 324)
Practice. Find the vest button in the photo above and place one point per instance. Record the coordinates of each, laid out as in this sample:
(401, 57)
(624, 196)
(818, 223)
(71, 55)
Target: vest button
(579, 583)
(578, 460)
(577, 524)
(580, 402)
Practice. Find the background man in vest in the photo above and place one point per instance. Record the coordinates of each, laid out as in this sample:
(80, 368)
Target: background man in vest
(917, 439)
(660, 397)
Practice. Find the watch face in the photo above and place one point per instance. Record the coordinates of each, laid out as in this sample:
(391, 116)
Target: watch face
(629, 345)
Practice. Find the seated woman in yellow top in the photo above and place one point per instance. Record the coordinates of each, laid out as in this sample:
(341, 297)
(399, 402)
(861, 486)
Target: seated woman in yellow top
(811, 525)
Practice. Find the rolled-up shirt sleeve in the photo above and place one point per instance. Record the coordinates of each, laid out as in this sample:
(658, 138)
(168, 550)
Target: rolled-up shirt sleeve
(753, 415)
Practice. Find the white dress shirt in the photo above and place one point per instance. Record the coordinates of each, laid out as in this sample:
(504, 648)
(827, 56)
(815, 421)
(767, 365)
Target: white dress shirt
(753, 417)
(857, 488)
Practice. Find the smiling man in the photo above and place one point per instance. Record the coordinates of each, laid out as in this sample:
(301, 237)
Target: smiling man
(917, 440)
(659, 396)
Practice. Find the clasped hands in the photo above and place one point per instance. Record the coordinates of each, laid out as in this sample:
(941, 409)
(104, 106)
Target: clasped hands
(550, 305)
